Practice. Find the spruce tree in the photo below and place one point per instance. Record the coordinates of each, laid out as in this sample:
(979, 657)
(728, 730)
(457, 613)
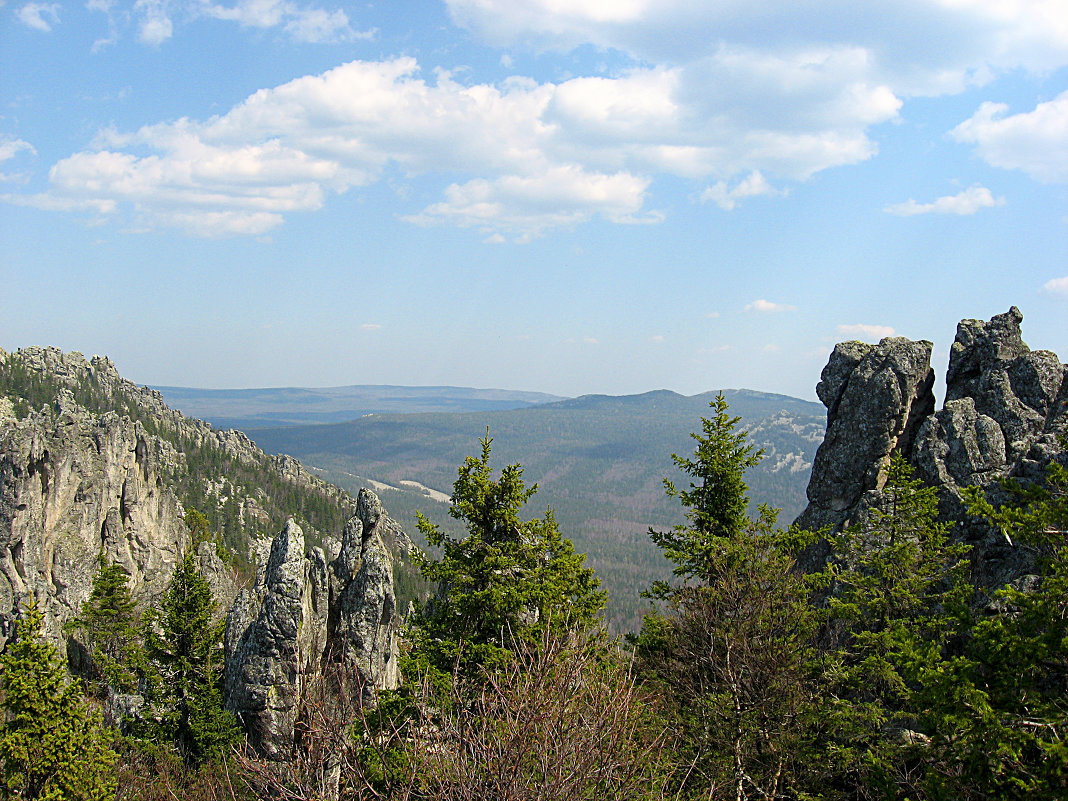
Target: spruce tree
(183, 647)
(734, 648)
(508, 579)
(109, 623)
(52, 746)
(899, 609)
(716, 502)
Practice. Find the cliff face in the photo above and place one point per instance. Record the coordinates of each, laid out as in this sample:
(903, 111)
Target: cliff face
(1006, 406)
(75, 483)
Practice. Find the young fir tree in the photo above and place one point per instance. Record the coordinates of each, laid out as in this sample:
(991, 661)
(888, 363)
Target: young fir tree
(109, 624)
(52, 746)
(506, 581)
(733, 649)
(183, 671)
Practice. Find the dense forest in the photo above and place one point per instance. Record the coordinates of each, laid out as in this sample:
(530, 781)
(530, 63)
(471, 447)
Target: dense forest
(886, 674)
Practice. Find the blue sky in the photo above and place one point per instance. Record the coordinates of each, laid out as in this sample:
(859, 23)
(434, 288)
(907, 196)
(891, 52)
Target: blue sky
(584, 196)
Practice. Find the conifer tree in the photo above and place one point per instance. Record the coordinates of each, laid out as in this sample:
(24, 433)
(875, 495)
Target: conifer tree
(183, 647)
(52, 746)
(109, 624)
(507, 580)
(733, 650)
(899, 605)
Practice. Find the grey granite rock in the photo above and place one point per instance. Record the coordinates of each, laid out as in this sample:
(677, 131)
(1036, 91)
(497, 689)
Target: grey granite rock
(876, 398)
(304, 619)
(73, 485)
(1005, 411)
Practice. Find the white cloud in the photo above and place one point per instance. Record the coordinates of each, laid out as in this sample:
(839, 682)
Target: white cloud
(967, 202)
(370, 326)
(34, 15)
(317, 25)
(973, 36)
(658, 338)
(767, 307)
(865, 331)
(9, 147)
(154, 21)
(1057, 287)
(527, 206)
(1035, 142)
(751, 186)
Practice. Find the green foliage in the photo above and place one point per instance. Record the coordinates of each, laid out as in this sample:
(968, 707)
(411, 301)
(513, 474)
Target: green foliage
(183, 648)
(1007, 737)
(899, 610)
(734, 651)
(507, 580)
(716, 502)
(109, 624)
(52, 746)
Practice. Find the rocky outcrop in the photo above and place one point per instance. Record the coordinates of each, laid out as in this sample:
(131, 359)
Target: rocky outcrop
(306, 621)
(1006, 408)
(100, 474)
(73, 485)
(876, 397)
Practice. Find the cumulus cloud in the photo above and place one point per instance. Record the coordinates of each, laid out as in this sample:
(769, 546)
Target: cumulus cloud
(1035, 142)
(767, 307)
(40, 16)
(1057, 287)
(974, 36)
(865, 331)
(967, 202)
(751, 186)
(10, 147)
(714, 95)
(527, 205)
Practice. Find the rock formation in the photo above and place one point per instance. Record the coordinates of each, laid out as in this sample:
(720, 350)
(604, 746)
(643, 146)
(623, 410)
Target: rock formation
(1006, 406)
(75, 483)
(308, 621)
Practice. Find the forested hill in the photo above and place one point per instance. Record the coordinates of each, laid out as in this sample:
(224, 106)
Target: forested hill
(599, 462)
(245, 493)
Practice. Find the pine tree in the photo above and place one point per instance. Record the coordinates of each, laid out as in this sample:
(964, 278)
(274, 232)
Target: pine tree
(52, 746)
(184, 669)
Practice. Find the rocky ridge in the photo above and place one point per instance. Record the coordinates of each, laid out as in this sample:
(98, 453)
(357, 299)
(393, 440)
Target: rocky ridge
(1005, 411)
(76, 482)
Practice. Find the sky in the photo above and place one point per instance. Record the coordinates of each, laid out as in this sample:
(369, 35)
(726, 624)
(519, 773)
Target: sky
(567, 196)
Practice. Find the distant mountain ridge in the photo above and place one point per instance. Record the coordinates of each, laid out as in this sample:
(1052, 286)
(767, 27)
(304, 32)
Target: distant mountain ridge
(277, 406)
